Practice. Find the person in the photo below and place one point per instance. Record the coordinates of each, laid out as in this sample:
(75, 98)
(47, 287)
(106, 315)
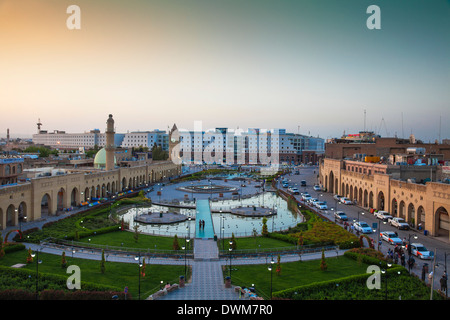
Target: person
(203, 224)
(443, 282)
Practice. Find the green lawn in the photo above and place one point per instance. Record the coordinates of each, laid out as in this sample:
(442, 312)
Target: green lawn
(126, 239)
(292, 274)
(250, 243)
(119, 275)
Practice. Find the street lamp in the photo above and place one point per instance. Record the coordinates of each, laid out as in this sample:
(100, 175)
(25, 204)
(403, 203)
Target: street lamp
(37, 271)
(138, 259)
(270, 269)
(409, 250)
(230, 249)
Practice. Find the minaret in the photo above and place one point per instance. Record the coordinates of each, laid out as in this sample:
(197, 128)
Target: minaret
(39, 124)
(109, 147)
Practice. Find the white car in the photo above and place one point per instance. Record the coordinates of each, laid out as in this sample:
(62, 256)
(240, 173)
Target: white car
(321, 205)
(383, 215)
(421, 252)
(345, 200)
(306, 197)
(313, 200)
(399, 223)
(391, 237)
(337, 197)
(363, 227)
(316, 188)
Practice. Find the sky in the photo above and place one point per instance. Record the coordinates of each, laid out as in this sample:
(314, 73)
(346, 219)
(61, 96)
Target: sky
(309, 66)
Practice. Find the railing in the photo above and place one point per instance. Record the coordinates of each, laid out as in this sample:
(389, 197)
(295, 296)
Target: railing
(258, 252)
(85, 247)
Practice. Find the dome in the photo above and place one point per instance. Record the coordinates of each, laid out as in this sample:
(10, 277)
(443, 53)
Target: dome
(100, 159)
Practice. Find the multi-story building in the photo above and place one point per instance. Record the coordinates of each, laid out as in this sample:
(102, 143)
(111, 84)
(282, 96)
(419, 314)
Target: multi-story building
(254, 146)
(146, 139)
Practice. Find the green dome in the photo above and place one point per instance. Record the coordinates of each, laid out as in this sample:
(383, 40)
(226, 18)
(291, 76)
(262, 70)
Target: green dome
(100, 159)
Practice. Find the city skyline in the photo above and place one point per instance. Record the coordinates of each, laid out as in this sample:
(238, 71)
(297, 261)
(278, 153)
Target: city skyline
(311, 67)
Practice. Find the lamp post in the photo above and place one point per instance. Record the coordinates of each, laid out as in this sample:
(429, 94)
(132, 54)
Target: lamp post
(384, 271)
(37, 271)
(138, 259)
(230, 249)
(270, 268)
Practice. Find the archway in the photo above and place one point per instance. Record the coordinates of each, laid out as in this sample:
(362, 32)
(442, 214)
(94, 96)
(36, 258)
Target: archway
(394, 208)
(74, 197)
(442, 222)
(60, 199)
(360, 197)
(411, 213)
(421, 217)
(46, 205)
(1, 219)
(86, 194)
(10, 216)
(331, 181)
(371, 199)
(401, 210)
(366, 199)
(22, 210)
(380, 201)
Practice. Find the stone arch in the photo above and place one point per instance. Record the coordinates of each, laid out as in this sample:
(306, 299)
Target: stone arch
(442, 222)
(22, 210)
(74, 197)
(92, 193)
(401, 210)
(411, 213)
(346, 190)
(10, 216)
(371, 199)
(46, 205)
(366, 199)
(1, 219)
(421, 216)
(360, 197)
(331, 182)
(394, 208)
(380, 201)
(86, 194)
(60, 199)
(103, 191)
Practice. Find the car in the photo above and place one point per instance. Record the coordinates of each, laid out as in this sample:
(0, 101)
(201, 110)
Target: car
(382, 215)
(363, 227)
(316, 188)
(303, 183)
(421, 252)
(337, 197)
(345, 200)
(313, 200)
(285, 185)
(294, 191)
(391, 237)
(306, 197)
(341, 215)
(321, 205)
(399, 223)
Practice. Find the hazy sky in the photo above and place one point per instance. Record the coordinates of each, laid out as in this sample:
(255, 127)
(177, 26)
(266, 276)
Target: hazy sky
(305, 65)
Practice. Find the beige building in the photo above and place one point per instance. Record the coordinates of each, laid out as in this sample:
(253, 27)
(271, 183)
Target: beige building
(59, 190)
(373, 186)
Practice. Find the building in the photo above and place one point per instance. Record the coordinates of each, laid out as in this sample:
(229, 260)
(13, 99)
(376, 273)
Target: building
(48, 191)
(251, 147)
(387, 187)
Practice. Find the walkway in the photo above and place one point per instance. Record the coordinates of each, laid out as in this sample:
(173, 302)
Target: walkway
(203, 212)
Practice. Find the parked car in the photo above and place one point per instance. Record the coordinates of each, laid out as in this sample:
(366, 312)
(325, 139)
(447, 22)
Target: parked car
(313, 200)
(363, 227)
(337, 197)
(421, 252)
(345, 200)
(383, 215)
(317, 188)
(306, 197)
(341, 215)
(391, 237)
(294, 190)
(321, 205)
(399, 223)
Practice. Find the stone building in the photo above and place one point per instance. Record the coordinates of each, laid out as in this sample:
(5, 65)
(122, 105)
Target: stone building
(374, 187)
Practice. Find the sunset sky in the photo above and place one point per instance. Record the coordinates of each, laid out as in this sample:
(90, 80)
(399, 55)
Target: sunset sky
(304, 65)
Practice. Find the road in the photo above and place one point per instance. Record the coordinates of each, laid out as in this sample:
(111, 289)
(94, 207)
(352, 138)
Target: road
(439, 245)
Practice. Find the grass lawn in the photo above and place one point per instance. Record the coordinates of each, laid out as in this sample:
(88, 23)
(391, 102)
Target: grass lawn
(117, 274)
(292, 273)
(126, 240)
(250, 243)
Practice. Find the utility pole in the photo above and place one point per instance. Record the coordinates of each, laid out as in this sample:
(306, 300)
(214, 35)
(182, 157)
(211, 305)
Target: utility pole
(432, 276)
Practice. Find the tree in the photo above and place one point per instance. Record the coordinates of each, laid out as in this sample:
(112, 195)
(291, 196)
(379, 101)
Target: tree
(323, 264)
(63, 260)
(176, 245)
(2, 251)
(233, 242)
(264, 232)
(278, 270)
(102, 263)
(29, 257)
(136, 233)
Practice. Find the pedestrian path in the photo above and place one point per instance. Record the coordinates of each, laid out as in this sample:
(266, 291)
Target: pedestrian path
(203, 213)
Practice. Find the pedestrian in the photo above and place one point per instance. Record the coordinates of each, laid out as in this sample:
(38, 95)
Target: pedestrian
(396, 258)
(200, 224)
(203, 224)
(402, 258)
(443, 282)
